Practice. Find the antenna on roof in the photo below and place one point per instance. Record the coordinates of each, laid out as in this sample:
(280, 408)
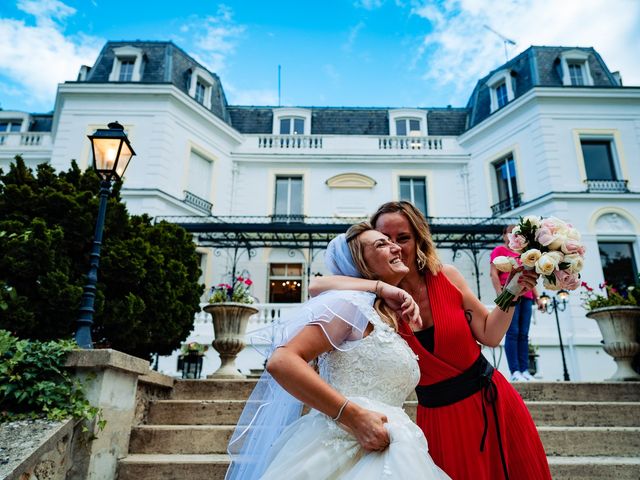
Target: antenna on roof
(504, 39)
(279, 68)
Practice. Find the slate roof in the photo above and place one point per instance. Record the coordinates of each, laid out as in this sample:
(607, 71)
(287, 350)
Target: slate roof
(538, 66)
(164, 62)
(347, 120)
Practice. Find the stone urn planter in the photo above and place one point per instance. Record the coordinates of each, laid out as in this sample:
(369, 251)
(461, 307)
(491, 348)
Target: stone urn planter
(229, 329)
(619, 328)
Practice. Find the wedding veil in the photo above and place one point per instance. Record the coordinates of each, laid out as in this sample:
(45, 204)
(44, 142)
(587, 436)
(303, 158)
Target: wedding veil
(343, 316)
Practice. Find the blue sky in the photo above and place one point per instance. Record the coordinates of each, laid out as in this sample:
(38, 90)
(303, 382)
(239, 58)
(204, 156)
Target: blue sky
(333, 52)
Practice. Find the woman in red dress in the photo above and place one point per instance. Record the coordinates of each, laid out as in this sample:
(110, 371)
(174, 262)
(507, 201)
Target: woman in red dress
(477, 425)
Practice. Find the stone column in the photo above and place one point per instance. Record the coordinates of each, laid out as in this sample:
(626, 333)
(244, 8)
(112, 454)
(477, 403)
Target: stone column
(110, 378)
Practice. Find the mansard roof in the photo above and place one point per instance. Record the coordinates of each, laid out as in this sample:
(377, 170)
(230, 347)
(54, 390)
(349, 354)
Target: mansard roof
(537, 66)
(164, 62)
(347, 120)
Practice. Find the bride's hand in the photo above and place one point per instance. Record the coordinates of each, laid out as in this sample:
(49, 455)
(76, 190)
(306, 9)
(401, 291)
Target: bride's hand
(367, 426)
(400, 301)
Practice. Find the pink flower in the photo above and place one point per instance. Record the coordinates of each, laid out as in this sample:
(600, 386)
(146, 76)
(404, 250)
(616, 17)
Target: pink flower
(571, 246)
(545, 236)
(248, 282)
(517, 242)
(566, 280)
(240, 279)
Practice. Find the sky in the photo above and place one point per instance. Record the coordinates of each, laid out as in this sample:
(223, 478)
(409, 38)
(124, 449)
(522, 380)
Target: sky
(376, 53)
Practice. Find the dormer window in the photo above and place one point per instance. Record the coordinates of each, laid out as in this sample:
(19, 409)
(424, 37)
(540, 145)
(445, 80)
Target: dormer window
(200, 85)
(291, 126)
(126, 69)
(291, 121)
(127, 65)
(501, 89)
(407, 122)
(574, 68)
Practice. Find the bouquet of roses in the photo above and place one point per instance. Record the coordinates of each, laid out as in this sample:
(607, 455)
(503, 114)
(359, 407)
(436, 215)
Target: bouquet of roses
(551, 247)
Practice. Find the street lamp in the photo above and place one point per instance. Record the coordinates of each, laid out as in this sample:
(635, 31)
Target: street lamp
(111, 155)
(555, 304)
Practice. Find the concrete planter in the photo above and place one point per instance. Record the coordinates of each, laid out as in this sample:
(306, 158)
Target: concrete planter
(619, 328)
(229, 329)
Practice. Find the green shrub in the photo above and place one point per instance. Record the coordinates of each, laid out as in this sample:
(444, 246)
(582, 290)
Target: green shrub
(34, 382)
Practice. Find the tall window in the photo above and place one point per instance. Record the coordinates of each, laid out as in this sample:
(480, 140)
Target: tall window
(200, 170)
(288, 198)
(291, 126)
(200, 92)
(598, 160)
(576, 74)
(507, 186)
(285, 283)
(414, 190)
(10, 125)
(408, 126)
(618, 263)
(502, 95)
(126, 69)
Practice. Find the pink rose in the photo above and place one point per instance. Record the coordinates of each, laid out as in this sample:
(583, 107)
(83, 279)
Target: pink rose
(566, 280)
(517, 242)
(545, 236)
(571, 246)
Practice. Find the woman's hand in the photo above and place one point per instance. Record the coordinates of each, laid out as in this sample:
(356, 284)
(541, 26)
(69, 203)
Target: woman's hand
(400, 301)
(367, 426)
(527, 280)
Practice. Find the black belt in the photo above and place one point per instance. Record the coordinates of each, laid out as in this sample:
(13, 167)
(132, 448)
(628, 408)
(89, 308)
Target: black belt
(477, 377)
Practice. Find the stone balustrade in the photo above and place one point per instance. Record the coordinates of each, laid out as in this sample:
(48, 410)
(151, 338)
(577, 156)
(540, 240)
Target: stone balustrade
(27, 139)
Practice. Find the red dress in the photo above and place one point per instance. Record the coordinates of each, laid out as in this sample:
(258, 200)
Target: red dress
(454, 432)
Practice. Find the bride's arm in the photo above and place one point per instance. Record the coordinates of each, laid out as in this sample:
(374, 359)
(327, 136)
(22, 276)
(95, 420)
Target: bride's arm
(289, 366)
(398, 299)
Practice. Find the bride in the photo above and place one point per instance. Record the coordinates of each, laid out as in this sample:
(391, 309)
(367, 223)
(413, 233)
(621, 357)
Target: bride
(356, 428)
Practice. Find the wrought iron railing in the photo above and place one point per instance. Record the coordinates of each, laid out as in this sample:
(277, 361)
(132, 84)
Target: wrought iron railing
(506, 205)
(614, 186)
(197, 202)
(284, 218)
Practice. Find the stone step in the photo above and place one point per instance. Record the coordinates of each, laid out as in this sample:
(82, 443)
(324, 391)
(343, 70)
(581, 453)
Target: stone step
(213, 467)
(591, 441)
(172, 467)
(180, 439)
(558, 441)
(571, 414)
(530, 391)
(594, 468)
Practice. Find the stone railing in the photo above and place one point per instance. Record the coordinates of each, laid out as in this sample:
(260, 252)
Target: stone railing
(409, 143)
(268, 313)
(284, 142)
(610, 186)
(28, 139)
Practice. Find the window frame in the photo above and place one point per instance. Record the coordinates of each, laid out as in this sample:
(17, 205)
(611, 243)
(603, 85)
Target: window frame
(631, 241)
(496, 81)
(616, 149)
(289, 112)
(126, 54)
(201, 76)
(286, 278)
(408, 114)
(292, 120)
(288, 213)
(575, 57)
(412, 178)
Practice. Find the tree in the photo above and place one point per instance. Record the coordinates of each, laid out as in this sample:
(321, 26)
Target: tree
(147, 292)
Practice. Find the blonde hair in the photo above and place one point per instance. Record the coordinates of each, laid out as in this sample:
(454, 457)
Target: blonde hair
(356, 247)
(426, 255)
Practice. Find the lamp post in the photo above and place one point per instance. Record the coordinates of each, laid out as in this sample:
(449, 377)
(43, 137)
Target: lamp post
(111, 155)
(555, 304)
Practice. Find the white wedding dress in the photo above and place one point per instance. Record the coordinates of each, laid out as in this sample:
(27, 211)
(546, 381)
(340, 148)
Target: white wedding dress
(378, 374)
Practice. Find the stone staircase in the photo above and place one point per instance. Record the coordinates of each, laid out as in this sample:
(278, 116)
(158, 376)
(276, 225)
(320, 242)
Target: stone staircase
(589, 430)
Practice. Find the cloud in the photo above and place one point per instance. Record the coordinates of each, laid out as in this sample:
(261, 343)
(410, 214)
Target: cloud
(353, 35)
(35, 58)
(213, 38)
(369, 4)
(460, 49)
(238, 96)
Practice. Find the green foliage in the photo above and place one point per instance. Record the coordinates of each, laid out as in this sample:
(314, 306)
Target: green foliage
(34, 382)
(147, 292)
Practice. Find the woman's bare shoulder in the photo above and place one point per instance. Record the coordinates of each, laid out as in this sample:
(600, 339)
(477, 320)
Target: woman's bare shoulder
(454, 276)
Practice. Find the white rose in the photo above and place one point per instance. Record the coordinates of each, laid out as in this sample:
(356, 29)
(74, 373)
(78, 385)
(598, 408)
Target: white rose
(556, 255)
(558, 242)
(573, 234)
(575, 261)
(530, 257)
(504, 264)
(546, 264)
(534, 220)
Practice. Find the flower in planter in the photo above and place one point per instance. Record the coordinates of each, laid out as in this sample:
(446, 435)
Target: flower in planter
(238, 291)
(610, 296)
(194, 348)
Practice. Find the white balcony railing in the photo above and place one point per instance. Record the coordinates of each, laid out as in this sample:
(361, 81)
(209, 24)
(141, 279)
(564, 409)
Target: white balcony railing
(410, 143)
(283, 142)
(268, 314)
(28, 139)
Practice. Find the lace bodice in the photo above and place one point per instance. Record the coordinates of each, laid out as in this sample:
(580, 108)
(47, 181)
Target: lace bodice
(381, 367)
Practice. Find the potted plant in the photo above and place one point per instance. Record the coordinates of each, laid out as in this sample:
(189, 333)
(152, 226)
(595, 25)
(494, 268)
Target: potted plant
(190, 360)
(230, 307)
(617, 313)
